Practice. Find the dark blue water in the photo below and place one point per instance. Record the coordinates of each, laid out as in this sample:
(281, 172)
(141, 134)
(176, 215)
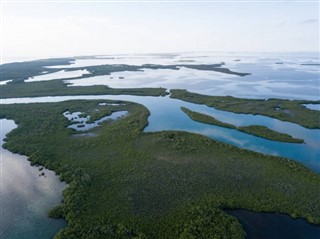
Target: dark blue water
(274, 226)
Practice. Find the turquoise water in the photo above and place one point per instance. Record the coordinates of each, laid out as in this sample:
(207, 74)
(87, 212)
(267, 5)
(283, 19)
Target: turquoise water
(166, 115)
(26, 197)
(172, 118)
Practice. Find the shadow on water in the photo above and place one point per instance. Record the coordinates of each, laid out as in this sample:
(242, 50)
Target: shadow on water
(261, 225)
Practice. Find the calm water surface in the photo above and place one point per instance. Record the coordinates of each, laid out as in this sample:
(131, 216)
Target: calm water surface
(26, 197)
(274, 226)
(290, 80)
(167, 115)
(273, 75)
(57, 75)
(80, 123)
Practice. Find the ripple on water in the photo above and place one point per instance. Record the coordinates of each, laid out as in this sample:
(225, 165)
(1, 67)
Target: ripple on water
(26, 197)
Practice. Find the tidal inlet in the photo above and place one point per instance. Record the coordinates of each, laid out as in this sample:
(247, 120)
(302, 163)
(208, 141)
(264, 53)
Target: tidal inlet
(160, 120)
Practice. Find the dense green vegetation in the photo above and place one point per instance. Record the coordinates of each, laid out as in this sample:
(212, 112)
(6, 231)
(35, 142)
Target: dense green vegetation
(125, 183)
(108, 69)
(218, 69)
(257, 130)
(265, 132)
(207, 119)
(58, 88)
(20, 71)
(99, 112)
(287, 110)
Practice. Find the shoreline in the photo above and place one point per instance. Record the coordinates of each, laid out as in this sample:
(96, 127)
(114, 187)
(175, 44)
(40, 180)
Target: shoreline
(175, 146)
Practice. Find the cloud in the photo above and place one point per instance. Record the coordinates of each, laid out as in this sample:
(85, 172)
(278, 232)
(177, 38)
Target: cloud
(309, 21)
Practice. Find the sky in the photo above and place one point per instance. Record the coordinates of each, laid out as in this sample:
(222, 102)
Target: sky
(73, 28)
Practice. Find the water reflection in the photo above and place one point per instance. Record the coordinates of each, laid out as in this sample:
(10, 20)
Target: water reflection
(313, 106)
(80, 123)
(167, 115)
(274, 226)
(26, 197)
(57, 75)
(290, 80)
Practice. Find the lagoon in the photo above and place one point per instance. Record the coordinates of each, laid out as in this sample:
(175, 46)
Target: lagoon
(165, 114)
(80, 123)
(290, 80)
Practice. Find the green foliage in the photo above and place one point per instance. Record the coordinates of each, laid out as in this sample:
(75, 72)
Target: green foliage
(286, 110)
(18, 72)
(203, 118)
(264, 132)
(217, 68)
(58, 88)
(108, 69)
(209, 222)
(57, 212)
(125, 183)
(257, 130)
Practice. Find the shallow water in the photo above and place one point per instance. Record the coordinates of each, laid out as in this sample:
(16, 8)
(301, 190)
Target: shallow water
(26, 197)
(167, 115)
(273, 76)
(268, 79)
(166, 78)
(80, 123)
(274, 226)
(313, 106)
(57, 75)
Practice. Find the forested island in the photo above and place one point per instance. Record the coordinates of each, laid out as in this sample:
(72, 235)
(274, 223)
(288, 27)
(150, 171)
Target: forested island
(124, 182)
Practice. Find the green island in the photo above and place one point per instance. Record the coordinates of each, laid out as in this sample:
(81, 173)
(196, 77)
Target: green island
(265, 132)
(108, 69)
(18, 72)
(59, 88)
(125, 183)
(287, 110)
(257, 130)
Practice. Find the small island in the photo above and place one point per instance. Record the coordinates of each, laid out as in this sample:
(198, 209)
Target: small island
(257, 130)
(15, 74)
(292, 111)
(166, 184)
